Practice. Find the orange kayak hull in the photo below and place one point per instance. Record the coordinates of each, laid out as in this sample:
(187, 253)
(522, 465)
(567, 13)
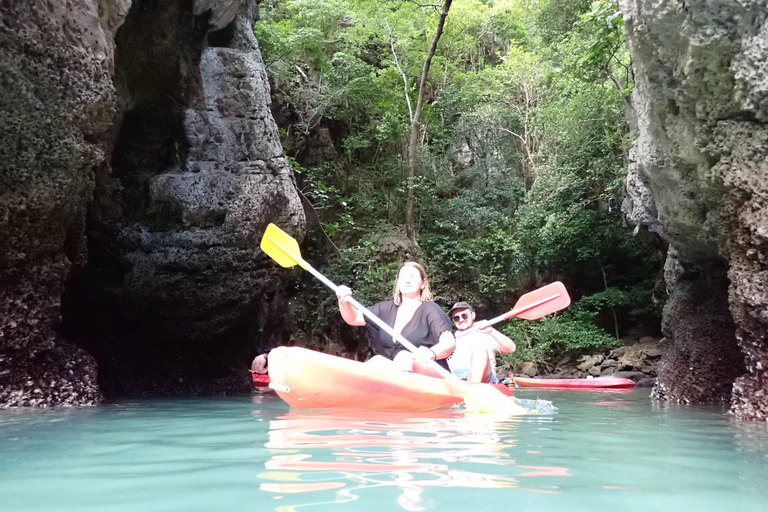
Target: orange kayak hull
(307, 379)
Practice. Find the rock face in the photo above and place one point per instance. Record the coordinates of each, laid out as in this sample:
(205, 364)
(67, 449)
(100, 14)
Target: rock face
(307, 138)
(56, 107)
(699, 178)
(140, 167)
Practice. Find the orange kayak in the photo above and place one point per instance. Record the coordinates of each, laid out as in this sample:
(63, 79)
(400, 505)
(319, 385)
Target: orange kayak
(602, 382)
(306, 379)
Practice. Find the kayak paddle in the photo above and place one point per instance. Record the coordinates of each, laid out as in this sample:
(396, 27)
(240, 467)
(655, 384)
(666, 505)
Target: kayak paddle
(282, 248)
(533, 305)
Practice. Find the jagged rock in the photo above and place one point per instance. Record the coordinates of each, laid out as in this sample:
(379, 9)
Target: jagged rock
(463, 155)
(310, 145)
(153, 118)
(318, 147)
(529, 369)
(698, 177)
(394, 245)
(589, 361)
(641, 379)
(57, 104)
(594, 371)
(617, 353)
(642, 357)
(635, 376)
(197, 173)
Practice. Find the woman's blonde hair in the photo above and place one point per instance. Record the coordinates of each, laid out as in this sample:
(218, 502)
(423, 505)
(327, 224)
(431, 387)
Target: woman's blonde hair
(426, 293)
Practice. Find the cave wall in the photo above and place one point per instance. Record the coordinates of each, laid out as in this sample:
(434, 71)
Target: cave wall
(698, 177)
(57, 103)
(140, 171)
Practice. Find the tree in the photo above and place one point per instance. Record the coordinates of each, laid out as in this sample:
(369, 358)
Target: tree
(413, 141)
(514, 146)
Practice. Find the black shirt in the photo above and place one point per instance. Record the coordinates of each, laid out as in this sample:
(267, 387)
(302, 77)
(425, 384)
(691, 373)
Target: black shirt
(429, 321)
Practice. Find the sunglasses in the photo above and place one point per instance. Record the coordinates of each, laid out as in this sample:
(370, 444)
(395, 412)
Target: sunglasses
(461, 317)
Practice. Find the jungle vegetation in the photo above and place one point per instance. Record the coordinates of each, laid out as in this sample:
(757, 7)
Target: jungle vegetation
(510, 141)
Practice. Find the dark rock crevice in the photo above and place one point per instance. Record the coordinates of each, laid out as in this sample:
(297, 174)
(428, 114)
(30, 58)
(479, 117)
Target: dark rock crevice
(703, 360)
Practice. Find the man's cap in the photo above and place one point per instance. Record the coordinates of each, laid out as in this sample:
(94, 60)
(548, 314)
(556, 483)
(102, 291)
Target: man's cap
(460, 305)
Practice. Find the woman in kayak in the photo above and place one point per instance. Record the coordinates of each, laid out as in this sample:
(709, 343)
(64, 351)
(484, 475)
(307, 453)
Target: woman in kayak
(411, 313)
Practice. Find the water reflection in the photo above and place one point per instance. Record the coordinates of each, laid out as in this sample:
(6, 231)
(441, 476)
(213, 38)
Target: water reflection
(354, 451)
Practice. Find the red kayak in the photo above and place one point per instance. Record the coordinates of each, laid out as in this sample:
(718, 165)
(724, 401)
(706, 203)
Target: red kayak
(260, 381)
(602, 382)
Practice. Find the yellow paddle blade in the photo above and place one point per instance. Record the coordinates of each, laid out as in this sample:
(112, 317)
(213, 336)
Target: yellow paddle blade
(281, 247)
(488, 399)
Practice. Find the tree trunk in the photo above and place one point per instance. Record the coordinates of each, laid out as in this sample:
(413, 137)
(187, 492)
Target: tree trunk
(613, 309)
(413, 142)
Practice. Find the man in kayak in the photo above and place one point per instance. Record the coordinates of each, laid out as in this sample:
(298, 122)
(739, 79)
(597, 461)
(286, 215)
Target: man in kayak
(474, 358)
(259, 364)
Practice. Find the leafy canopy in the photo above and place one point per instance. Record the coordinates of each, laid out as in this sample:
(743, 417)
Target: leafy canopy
(522, 163)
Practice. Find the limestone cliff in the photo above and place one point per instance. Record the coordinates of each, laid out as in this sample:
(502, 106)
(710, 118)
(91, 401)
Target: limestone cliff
(56, 108)
(140, 165)
(699, 178)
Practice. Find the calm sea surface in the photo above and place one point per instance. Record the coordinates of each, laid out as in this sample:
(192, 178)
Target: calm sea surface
(600, 450)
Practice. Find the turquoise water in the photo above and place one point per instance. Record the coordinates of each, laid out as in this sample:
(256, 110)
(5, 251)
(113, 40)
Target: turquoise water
(601, 450)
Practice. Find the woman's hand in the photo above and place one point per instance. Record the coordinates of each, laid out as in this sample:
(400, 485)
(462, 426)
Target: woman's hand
(425, 354)
(348, 313)
(342, 292)
(445, 346)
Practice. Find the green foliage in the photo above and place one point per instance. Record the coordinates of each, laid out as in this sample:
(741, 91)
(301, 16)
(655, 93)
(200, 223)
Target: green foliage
(553, 20)
(333, 210)
(608, 29)
(521, 167)
(483, 270)
(554, 338)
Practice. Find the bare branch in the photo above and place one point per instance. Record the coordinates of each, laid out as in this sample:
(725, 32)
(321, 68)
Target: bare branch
(436, 6)
(511, 133)
(314, 210)
(526, 142)
(405, 79)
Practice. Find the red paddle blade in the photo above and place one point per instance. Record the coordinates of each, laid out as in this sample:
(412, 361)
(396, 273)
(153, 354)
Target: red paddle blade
(542, 302)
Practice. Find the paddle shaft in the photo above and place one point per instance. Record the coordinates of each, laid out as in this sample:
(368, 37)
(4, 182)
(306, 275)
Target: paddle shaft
(378, 321)
(509, 314)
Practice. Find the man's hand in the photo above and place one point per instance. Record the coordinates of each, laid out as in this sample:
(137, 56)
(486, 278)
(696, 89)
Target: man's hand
(483, 326)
